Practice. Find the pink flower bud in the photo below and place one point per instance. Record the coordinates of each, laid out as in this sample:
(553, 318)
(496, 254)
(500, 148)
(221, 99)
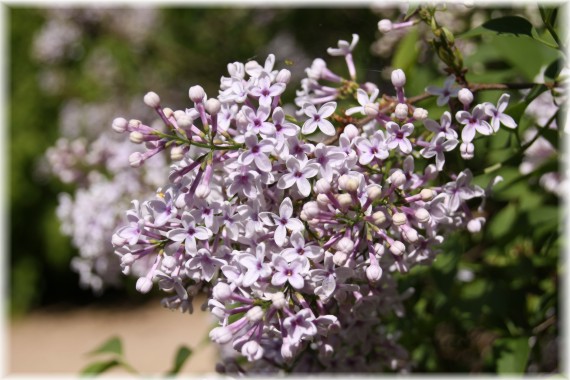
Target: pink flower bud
(345, 200)
(374, 192)
(420, 114)
(322, 186)
(397, 248)
(351, 131)
(467, 150)
(373, 273)
(221, 335)
(427, 194)
(379, 217)
(465, 96)
(399, 218)
(401, 111)
(152, 100)
(144, 285)
(283, 76)
(254, 314)
(120, 125)
(278, 300)
(222, 292)
(385, 25)
(136, 137)
(398, 178)
(345, 245)
(422, 215)
(176, 153)
(213, 106)
(197, 94)
(398, 78)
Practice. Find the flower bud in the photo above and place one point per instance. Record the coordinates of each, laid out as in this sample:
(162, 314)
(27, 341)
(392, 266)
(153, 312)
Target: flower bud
(322, 186)
(212, 106)
(167, 112)
(351, 131)
(475, 225)
(348, 183)
(398, 78)
(127, 259)
(373, 192)
(345, 245)
(339, 258)
(345, 200)
(196, 94)
(420, 114)
(467, 150)
(385, 25)
(311, 209)
(254, 314)
(252, 350)
(241, 120)
(379, 217)
(422, 215)
(120, 124)
(176, 153)
(152, 100)
(221, 335)
(371, 109)
(136, 159)
(398, 178)
(397, 248)
(427, 194)
(183, 120)
(278, 300)
(323, 200)
(222, 292)
(401, 111)
(399, 218)
(144, 285)
(283, 76)
(410, 234)
(202, 191)
(373, 273)
(465, 96)
(169, 263)
(136, 137)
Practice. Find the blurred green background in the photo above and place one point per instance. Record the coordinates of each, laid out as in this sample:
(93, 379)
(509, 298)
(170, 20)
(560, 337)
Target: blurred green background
(475, 310)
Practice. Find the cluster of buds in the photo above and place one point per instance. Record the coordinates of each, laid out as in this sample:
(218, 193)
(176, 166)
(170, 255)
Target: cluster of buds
(295, 228)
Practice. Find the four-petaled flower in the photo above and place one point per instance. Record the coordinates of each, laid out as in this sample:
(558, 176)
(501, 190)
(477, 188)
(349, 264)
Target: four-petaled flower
(446, 92)
(399, 136)
(299, 172)
(497, 114)
(437, 146)
(283, 221)
(189, 233)
(317, 119)
(287, 272)
(473, 122)
(373, 148)
(257, 152)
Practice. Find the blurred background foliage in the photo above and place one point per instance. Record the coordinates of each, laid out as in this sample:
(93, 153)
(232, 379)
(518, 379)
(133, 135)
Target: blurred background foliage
(490, 301)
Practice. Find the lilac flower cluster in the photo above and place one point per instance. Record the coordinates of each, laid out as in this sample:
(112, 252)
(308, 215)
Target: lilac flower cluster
(297, 227)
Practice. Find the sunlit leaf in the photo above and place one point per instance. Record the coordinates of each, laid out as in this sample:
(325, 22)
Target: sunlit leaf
(111, 346)
(182, 355)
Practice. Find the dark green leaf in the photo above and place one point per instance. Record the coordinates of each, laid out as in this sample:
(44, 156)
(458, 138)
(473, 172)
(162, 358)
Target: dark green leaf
(503, 222)
(512, 355)
(181, 356)
(553, 70)
(112, 346)
(503, 25)
(548, 15)
(99, 367)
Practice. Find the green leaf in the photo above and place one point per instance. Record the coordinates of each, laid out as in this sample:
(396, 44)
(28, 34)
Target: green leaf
(99, 367)
(503, 25)
(112, 346)
(502, 223)
(411, 10)
(181, 356)
(553, 70)
(406, 54)
(512, 355)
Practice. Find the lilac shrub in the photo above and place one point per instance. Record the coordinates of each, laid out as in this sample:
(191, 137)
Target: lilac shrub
(298, 221)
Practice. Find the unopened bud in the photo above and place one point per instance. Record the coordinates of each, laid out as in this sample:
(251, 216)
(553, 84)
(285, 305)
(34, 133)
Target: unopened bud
(422, 215)
(397, 248)
(427, 194)
(398, 78)
(144, 285)
(323, 200)
(120, 125)
(399, 218)
(373, 273)
(401, 111)
(371, 109)
(339, 258)
(475, 225)
(254, 314)
(398, 178)
(420, 114)
(176, 153)
(467, 150)
(136, 159)
(221, 335)
(127, 259)
(136, 137)
(169, 262)
(345, 245)
(351, 131)
(385, 25)
(152, 100)
(278, 300)
(167, 112)
(322, 186)
(465, 96)
(311, 209)
(379, 217)
(182, 119)
(411, 234)
(345, 200)
(202, 191)
(374, 192)
(348, 183)
(196, 94)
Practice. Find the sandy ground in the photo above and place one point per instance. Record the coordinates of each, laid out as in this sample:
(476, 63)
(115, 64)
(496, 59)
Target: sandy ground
(57, 342)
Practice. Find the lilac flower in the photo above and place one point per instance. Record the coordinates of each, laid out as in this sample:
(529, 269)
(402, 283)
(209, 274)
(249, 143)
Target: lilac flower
(461, 189)
(297, 148)
(473, 122)
(256, 266)
(300, 326)
(207, 264)
(283, 221)
(326, 279)
(327, 158)
(317, 119)
(164, 208)
(437, 146)
(265, 90)
(257, 120)
(446, 92)
(398, 136)
(189, 233)
(231, 218)
(227, 113)
(283, 128)
(374, 148)
(299, 172)
(344, 48)
(287, 272)
(256, 152)
(300, 249)
(497, 114)
(364, 101)
(444, 126)
(243, 181)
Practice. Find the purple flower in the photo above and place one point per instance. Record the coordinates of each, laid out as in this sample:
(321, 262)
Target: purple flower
(256, 266)
(374, 148)
(265, 90)
(327, 158)
(243, 181)
(257, 120)
(344, 48)
(444, 93)
(299, 172)
(207, 264)
(287, 272)
(398, 136)
(283, 128)
(437, 146)
(163, 208)
(317, 119)
(283, 221)
(473, 122)
(497, 115)
(461, 189)
(189, 233)
(363, 100)
(257, 152)
(444, 126)
(300, 249)
(300, 326)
